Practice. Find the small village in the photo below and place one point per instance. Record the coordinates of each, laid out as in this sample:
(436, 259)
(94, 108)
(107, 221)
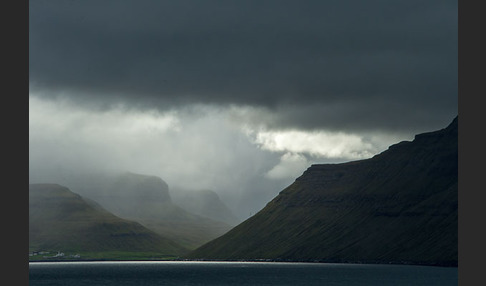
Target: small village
(48, 255)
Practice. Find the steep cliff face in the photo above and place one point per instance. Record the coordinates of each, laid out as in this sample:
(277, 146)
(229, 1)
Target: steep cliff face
(399, 206)
(134, 196)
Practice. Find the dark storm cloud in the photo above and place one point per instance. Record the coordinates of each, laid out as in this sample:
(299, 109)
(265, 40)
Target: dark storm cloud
(353, 63)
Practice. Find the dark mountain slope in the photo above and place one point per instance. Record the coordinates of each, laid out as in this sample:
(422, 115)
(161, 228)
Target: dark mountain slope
(62, 220)
(399, 206)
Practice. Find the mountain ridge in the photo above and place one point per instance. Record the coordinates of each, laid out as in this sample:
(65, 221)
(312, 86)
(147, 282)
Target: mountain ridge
(400, 206)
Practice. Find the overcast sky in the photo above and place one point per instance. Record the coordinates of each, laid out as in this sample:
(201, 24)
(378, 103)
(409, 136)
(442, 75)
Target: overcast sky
(235, 96)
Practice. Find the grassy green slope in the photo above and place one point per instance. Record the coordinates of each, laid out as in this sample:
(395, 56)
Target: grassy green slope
(62, 220)
(399, 206)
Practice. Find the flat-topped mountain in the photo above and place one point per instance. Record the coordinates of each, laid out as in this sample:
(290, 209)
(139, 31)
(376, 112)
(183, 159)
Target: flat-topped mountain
(398, 207)
(146, 199)
(62, 220)
(134, 196)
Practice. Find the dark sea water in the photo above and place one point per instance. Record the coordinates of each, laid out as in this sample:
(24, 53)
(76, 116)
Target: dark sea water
(236, 273)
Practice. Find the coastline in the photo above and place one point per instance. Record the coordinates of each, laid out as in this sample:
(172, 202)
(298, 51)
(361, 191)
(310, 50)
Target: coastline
(437, 264)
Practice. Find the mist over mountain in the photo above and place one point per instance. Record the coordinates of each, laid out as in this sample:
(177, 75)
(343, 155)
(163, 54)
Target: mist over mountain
(205, 203)
(126, 193)
(399, 206)
(60, 220)
(146, 199)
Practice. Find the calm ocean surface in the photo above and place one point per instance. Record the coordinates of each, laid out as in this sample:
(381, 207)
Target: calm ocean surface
(236, 273)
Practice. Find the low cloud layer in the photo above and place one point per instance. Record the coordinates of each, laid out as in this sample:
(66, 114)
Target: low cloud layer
(290, 165)
(235, 96)
(322, 144)
(199, 147)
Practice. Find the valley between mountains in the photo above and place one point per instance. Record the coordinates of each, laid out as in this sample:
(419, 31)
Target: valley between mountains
(400, 206)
